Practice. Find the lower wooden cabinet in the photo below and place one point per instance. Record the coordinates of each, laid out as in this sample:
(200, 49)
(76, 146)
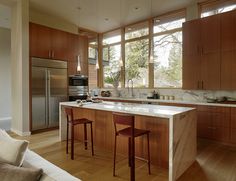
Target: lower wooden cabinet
(214, 122)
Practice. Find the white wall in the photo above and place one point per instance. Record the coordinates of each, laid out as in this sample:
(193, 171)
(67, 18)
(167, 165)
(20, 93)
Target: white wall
(20, 67)
(5, 78)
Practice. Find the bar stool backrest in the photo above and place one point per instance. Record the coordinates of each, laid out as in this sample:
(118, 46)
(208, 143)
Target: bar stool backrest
(69, 114)
(123, 119)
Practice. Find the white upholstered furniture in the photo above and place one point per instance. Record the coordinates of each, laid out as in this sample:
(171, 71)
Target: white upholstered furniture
(50, 171)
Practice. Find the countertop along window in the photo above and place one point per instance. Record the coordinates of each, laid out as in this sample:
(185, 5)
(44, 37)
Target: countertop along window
(167, 45)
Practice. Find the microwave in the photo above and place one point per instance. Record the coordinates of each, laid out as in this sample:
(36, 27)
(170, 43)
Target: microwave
(78, 80)
(78, 87)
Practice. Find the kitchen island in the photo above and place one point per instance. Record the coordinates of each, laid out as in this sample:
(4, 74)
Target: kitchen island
(172, 137)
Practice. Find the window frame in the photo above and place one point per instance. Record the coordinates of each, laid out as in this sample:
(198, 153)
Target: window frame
(150, 37)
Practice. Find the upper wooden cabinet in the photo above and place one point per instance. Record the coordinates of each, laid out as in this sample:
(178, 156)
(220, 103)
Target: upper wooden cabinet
(40, 41)
(201, 54)
(228, 51)
(46, 42)
(50, 43)
(209, 53)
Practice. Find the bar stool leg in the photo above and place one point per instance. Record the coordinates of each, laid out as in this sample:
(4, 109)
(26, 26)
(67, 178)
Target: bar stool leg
(149, 169)
(91, 126)
(114, 161)
(67, 136)
(85, 137)
(129, 151)
(72, 141)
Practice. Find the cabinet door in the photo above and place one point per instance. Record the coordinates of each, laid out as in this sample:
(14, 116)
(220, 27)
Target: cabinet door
(221, 123)
(204, 124)
(73, 52)
(233, 125)
(40, 41)
(228, 29)
(59, 44)
(228, 51)
(191, 54)
(210, 53)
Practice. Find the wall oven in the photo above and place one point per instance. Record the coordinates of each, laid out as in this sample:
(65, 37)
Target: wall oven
(78, 87)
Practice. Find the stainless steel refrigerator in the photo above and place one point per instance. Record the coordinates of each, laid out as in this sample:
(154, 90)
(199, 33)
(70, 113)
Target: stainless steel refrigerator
(48, 88)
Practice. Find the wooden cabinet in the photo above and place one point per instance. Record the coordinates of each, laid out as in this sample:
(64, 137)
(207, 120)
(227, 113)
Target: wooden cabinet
(214, 123)
(233, 126)
(228, 51)
(50, 43)
(191, 55)
(201, 54)
(40, 41)
(46, 42)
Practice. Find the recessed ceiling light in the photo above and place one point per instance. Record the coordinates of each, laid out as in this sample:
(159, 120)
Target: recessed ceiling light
(157, 21)
(136, 8)
(79, 8)
(106, 19)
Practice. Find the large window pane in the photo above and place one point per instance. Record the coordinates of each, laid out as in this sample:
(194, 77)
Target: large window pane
(161, 27)
(216, 7)
(136, 63)
(168, 60)
(112, 37)
(111, 68)
(137, 30)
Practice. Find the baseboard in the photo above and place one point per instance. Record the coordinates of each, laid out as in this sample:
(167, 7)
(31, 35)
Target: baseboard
(20, 133)
(5, 123)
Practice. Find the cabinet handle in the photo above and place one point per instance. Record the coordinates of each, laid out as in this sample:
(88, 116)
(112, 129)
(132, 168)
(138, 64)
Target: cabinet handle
(202, 85)
(49, 54)
(198, 84)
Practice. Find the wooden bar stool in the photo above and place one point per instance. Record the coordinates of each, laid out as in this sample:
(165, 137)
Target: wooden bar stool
(131, 133)
(73, 122)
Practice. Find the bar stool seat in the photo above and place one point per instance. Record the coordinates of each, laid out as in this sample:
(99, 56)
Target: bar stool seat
(72, 123)
(130, 132)
(137, 132)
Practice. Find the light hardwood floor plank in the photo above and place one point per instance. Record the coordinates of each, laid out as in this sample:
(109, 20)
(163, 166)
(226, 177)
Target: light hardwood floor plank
(215, 162)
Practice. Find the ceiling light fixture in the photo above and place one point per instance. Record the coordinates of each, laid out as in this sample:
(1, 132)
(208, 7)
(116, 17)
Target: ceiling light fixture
(78, 57)
(121, 61)
(151, 56)
(97, 18)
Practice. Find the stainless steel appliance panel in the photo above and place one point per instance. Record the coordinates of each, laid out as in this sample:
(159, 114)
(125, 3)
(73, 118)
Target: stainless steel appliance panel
(57, 83)
(49, 87)
(39, 98)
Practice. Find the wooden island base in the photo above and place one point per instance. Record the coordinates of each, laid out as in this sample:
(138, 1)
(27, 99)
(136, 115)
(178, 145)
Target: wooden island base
(172, 140)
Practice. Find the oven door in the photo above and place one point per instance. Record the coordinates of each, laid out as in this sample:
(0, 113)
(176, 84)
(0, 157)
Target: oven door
(78, 81)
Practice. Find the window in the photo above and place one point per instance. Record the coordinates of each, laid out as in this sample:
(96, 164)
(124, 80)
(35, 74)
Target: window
(136, 54)
(137, 30)
(216, 7)
(167, 47)
(136, 63)
(111, 59)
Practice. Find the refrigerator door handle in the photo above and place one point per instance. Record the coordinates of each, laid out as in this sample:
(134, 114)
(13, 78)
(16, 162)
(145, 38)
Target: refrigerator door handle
(49, 98)
(46, 93)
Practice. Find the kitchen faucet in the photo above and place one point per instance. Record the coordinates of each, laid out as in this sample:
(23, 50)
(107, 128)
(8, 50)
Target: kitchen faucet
(132, 87)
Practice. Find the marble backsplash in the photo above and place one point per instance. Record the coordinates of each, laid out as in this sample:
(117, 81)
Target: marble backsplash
(179, 94)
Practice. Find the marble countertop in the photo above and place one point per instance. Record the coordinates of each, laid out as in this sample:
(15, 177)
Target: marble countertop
(133, 108)
(169, 101)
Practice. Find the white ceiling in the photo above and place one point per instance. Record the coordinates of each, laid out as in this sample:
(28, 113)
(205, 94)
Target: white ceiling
(5, 16)
(93, 13)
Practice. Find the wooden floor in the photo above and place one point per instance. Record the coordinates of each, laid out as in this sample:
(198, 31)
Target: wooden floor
(215, 162)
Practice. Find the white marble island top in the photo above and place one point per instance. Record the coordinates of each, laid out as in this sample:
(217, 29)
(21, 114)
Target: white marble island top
(133, 108)
(180, 130)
